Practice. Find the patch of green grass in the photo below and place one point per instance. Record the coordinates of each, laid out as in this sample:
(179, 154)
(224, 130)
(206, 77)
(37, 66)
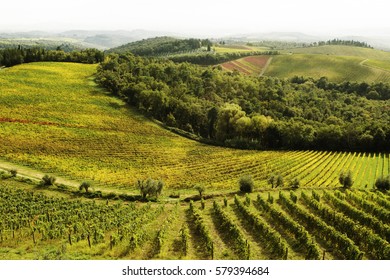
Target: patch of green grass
(336, 68)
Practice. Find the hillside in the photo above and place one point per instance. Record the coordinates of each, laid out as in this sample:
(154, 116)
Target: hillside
(337, 63)
(161, 46)
(54, 118)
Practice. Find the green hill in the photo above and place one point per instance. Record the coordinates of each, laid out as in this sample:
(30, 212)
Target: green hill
(338, 63)
(161, 46)
(54, 118)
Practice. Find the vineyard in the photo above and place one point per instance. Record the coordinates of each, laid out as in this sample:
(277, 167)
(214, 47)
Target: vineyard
(251, 65)
(100, 139)
(306, 224)
(55, 119)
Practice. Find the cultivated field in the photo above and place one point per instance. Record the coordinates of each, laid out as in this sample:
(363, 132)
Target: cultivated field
(337, 63)
(308, 224)
(55, 119)
(251, 65)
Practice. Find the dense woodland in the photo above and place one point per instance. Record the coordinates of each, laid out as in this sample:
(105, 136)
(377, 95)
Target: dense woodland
(162, 46)
(14, 56)
(250, 112)
(210, 58)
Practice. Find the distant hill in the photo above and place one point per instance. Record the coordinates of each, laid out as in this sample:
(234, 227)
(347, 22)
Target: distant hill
(100, 39)
(162, 46)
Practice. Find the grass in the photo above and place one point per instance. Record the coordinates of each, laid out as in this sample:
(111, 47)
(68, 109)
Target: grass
(336, 68)
(364, 53)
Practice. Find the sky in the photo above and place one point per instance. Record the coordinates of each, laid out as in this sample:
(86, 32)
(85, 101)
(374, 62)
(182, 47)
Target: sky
(208, 17)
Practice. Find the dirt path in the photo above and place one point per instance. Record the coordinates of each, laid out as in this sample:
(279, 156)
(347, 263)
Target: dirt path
(265, 67)
(372, 67)
(33, 174)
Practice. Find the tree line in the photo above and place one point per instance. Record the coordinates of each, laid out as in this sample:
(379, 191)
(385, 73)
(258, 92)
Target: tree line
(14, 56)
(210, 58)
(162, 46)
(241, 111)
(344, 43)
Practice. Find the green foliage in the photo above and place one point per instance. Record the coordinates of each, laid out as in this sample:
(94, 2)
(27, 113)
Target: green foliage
(85, 186)
(250, 112)
(161, 46)
(150, 187)
(201, 189)
(383, 184)
(48, 181)
(276, 181)
(346, 179)
(15, 56)
(246, 184)
(295, 184)
(13, 172)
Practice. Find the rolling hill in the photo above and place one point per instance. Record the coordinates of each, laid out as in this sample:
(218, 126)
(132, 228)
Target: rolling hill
(337, 63)
(54, 118)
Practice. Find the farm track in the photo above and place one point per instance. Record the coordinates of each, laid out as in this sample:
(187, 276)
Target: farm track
(265, 67)
(35, 175)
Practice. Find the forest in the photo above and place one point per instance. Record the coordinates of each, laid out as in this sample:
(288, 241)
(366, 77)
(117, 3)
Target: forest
(234, 110)
(14, 56)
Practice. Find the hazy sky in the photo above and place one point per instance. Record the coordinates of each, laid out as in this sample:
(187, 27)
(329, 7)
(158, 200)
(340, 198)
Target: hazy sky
(360, 17)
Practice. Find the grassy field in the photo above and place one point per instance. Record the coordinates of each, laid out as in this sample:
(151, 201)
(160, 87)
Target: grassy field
(336, 68)
(55, 119)
(338, 63)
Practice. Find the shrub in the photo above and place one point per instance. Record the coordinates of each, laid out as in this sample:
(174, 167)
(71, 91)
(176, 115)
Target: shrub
(246, 184)
(85, 186)
(150, 187)
(346, 179)
(200, 189)
(48, 180)
(295, 184)
(383, 184)
(13, 172)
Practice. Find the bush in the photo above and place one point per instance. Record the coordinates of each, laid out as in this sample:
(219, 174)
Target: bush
(346, 179)
(48, 180)
(383, 184)
(85, 186)
(13, 172)
(295, 184)
(200, 190)
(246, 184)
(150, 187)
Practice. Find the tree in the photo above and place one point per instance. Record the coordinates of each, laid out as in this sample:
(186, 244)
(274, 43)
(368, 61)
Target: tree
(246, 183)
(150, 187)
(85, 186)
(276, 180)
(200, 189)
(279, 181)
(346, 179)
(272, 180)
(383, 184)
(48, 180)
(295, 184)
(227, 121)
